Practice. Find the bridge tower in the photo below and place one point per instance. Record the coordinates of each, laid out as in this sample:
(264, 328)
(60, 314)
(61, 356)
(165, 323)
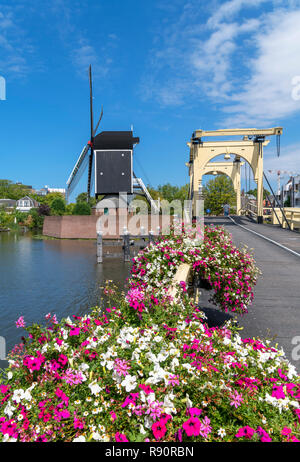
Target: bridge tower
(233, 171)
(249, 148)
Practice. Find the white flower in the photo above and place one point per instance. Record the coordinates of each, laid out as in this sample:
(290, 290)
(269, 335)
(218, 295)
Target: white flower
(96, 436)
(129, 383)
(148, 421)
(8, 439)
(83, 367)
(44, 348)
(18, 395)
(79, 439)
(142, 430)
(221, 432)
(95, 388)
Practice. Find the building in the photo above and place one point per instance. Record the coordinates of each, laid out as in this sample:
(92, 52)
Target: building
(291, 192)
(25, 204)
(297, 191)
(8, 205)
(46, 190)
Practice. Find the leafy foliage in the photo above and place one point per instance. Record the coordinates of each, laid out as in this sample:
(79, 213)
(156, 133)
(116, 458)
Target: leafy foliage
(81, 208)
(217, 192)
(58, 206)
(10, 190)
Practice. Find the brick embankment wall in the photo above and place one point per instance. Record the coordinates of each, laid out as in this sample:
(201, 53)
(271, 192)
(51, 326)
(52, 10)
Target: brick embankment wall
(71, 227)
(85, 226)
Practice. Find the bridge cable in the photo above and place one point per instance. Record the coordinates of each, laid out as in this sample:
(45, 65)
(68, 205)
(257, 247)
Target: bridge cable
(272, 206)
(278, 203)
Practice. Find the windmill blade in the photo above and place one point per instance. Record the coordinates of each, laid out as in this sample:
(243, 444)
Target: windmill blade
(98, 123)
(78, 170)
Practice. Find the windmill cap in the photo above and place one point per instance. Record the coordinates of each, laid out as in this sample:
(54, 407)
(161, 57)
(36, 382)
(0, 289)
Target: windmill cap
(115, 140)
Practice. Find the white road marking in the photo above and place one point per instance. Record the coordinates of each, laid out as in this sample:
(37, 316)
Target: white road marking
(266, 238)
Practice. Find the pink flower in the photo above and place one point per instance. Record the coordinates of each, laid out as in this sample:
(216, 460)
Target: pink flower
(237, 399)
(72, 377)
(121, 367)
(74, 331)
(286, 431)
(113, 415)
(205, 428)
(278, 392)
(155, 409)
(193, 411)
(173, 380)
(265, 437)
(159, 429)
(20, 322)
(121, 438)
(245, 432)
(78, 423)
(146, 388)
(192, 426)
(9, 428)
(63, 360)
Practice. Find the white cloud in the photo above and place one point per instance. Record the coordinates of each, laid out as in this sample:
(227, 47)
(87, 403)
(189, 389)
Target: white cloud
(231, 8)
(85, 55)
(14, 47)
(243, 57)
(267, 95)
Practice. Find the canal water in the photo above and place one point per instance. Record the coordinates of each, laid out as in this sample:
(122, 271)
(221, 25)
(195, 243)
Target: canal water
(42, 276)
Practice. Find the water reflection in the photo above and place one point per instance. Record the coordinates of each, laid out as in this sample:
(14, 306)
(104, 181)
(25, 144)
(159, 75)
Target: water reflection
(39, 276)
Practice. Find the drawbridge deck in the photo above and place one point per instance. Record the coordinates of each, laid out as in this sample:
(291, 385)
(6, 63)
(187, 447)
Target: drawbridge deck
(275, 311)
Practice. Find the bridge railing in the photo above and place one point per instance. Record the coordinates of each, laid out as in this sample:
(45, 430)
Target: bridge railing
(292, 215)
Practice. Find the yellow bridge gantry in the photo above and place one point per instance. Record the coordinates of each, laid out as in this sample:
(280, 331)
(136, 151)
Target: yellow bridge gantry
(249, 147)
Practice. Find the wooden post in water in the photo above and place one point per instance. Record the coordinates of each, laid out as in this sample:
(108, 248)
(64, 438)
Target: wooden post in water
(126, 239)
(99, 247)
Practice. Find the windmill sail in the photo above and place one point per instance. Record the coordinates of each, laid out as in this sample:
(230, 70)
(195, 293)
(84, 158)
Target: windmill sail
(78, 170)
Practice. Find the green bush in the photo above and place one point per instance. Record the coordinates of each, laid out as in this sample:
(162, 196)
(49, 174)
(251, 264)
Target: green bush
(58, 206)
(82, 208)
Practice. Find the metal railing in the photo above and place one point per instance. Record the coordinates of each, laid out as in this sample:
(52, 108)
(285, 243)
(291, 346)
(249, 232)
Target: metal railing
(284, 217)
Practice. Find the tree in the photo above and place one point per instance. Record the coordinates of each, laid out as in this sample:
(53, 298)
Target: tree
(69, 209)
(44, 210)
(82, 197)
(6, 219)
(34, 220)
(82, 208)
(58, 206)
(10, 190)
(217, 193)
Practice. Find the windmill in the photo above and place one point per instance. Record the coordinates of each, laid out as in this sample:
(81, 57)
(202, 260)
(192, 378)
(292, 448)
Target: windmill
(87, 154)
(110, 154)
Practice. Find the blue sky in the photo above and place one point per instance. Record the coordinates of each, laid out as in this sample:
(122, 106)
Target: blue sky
(167, 68)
